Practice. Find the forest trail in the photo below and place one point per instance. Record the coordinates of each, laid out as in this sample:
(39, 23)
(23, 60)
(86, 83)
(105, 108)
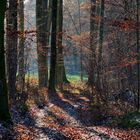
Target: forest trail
(65, 117)
(87, 51)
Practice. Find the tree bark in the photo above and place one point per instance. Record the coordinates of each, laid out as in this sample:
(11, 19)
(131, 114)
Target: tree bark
(52, 79)
(93, 45)
(138, 56)
(21, 68)
(12, 48)
(41, 23)
(60, 61)
(4, 110)
(100, 59)
(60, 68)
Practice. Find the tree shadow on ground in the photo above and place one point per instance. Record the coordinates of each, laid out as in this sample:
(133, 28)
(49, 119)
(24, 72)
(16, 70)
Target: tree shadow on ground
(52, 134)
(19, 117)
(74, 110)
(63, 122)
(20, 114)
(80, 110)
(75, 98)
(101, 135)
(57, 119)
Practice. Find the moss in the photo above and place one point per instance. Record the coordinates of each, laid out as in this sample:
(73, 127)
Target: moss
(131, 120)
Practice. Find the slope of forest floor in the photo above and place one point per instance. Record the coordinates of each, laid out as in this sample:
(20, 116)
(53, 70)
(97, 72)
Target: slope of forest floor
(64, 117)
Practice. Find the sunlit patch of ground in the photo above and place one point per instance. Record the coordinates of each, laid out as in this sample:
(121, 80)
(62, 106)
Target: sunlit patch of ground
(67, 117)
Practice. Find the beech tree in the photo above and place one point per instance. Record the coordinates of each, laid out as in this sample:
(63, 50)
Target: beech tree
(4, 110)
(138, 54)
(100, 49)
(52, 79)
(60, 61)
(12, 37)
(42, 31)
(93, 45)
(60, 67)
(21, 63)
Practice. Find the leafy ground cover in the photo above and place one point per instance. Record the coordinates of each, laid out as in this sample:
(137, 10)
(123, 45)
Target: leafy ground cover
(66, 116)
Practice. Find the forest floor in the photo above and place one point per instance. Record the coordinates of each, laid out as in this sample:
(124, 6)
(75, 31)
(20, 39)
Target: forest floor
(64, 117)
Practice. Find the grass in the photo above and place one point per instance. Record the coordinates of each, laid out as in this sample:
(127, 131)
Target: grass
(75, 77)
(70, 77)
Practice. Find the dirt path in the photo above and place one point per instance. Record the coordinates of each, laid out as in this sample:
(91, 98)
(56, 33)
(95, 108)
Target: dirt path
(64, 118)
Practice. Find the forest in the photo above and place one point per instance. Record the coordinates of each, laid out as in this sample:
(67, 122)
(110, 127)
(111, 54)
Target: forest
(69, 70)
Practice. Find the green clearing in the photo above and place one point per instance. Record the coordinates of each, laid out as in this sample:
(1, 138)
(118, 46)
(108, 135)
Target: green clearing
(70, 77)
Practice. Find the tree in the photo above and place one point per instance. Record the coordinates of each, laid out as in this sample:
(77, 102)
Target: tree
(12, 37)
(42, 31)
(60, 61)
(81, 47)
(60, 68)
(4, 110)
(93, 43)
(21, 69)
(138, 54)
(100, 57)
(52, 80)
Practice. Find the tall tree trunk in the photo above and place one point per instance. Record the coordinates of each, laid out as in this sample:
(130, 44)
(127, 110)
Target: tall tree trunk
(81, 47)
(93, 39)
(4, 110)
(49, 22)
(21, 69)
(41, 23)
(12, 48)
(53, 47)
(60, 61)
(138, 55)
(60, 68)
(100, 59)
